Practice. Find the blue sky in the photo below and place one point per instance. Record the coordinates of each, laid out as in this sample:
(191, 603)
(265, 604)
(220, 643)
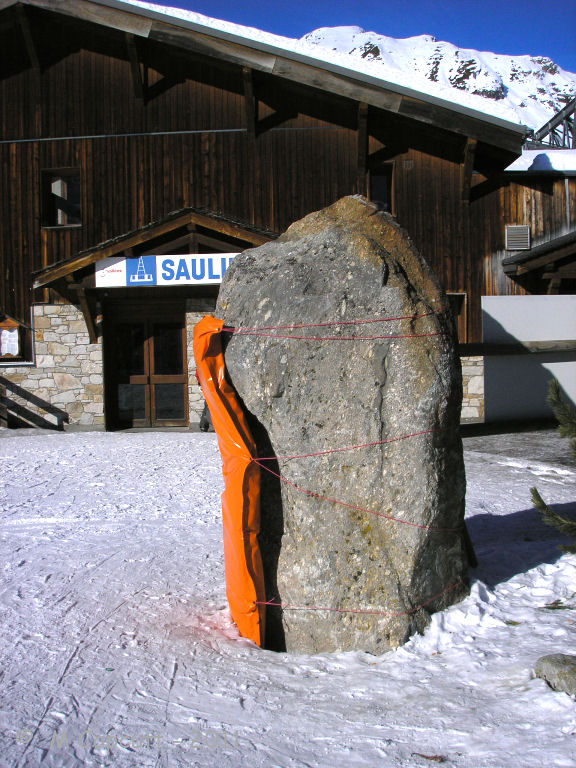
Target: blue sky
(543, 28)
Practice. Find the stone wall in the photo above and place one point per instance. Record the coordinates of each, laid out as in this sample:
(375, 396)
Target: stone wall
(195, 311)
(65, 386)
(473, 389)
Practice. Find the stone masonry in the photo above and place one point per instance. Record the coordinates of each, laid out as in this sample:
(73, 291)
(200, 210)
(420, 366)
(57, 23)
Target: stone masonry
(65, 386)
(473, 389)
(195, 311)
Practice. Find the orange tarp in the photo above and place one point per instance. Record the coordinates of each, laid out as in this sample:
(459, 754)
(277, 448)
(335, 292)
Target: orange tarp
(241, 497)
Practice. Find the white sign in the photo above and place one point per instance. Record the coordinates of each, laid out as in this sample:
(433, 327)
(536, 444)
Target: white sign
(9, 341)
(146, 271)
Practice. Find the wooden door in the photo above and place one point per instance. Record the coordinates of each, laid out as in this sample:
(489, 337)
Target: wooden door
(146, 368)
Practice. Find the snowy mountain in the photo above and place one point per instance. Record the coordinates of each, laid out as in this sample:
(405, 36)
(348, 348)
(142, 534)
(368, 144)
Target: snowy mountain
(530, 88)
(527, 90)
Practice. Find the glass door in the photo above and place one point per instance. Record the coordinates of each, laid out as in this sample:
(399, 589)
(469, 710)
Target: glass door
(131, 375)
(168, 376)
(146, 368)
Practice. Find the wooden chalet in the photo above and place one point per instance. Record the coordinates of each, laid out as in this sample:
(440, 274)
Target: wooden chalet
(127, 133)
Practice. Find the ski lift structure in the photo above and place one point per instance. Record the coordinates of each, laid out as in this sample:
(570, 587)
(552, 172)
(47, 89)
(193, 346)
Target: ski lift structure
(557, 133)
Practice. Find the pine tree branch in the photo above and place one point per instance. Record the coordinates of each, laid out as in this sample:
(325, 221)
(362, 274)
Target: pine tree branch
(567, 527)
(565, 414)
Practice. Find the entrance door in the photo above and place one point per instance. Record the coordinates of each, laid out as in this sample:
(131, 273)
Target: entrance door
(146, 368)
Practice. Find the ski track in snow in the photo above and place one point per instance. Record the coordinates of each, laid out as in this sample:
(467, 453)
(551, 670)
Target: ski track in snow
(118, 648)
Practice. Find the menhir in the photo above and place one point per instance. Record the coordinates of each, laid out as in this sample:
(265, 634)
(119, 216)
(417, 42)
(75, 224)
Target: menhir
(354, 348)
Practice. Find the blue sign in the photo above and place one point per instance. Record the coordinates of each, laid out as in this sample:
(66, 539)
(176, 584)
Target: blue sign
(141, 271)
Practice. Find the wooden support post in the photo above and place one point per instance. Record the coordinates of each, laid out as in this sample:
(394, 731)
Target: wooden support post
(554, 285)
(31, 49)
(251, 103)
(85, 307)
(361, 180)
(192, 238)
(466, 170)
(137, 81)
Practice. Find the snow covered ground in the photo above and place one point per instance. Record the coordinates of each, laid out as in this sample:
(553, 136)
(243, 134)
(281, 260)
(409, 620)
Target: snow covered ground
(117, 648)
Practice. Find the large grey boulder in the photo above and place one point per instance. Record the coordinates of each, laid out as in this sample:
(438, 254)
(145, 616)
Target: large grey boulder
(346, 263)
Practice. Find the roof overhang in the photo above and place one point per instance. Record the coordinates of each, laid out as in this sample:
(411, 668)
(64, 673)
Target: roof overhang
(137, 241)
(550, 262)
(264, 57)
(542, 255)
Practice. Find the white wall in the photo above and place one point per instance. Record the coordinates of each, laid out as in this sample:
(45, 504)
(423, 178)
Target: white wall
(515, 386)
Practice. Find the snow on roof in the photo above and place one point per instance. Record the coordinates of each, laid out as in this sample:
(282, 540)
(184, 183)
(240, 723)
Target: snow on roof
(329, 46)
(545, 160)
(525, 90)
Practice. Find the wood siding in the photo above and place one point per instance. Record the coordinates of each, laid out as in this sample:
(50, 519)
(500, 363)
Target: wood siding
(84, 108)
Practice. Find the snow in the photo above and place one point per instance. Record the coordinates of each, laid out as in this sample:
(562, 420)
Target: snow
(118, 648)
(526, 90)
(545, 160)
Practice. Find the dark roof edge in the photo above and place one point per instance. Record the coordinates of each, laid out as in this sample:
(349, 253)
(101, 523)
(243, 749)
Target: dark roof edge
(369, 80)
(319, 64)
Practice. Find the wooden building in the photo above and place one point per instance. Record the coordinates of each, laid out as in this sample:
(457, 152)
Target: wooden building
(128, 134)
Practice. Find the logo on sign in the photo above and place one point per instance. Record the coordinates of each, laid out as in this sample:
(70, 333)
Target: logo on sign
(141, 271)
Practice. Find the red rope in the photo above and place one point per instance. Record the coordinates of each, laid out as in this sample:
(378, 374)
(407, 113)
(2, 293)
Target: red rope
(349, 447)
(325, 325)
(359, 610)
(319, 496)
(331, 338)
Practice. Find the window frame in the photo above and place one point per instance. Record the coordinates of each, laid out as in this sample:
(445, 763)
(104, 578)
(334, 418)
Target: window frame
(387, 170)
(49, 210)
(24, 332)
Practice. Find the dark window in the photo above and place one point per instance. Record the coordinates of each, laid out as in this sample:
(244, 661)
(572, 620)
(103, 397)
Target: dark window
(61, 198)
(381, 187)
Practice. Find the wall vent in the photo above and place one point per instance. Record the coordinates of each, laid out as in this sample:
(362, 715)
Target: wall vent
(517, 237)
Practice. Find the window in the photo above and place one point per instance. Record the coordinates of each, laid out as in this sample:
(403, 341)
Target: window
(61, 203)
(381, 187)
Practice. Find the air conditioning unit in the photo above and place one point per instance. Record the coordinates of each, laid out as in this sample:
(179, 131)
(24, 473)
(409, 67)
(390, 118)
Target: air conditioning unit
(517, 237)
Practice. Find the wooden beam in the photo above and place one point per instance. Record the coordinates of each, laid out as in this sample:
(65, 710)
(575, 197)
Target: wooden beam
(26, 30)
(212, 242)
(554, 285)
(362, 137)
(124, 21)
(566, 273)
(230, 229)
(519, 348)
(466, 169)
(250, 103)
(192, 237)
(85, 307)
(137, 81)
(546, 259)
